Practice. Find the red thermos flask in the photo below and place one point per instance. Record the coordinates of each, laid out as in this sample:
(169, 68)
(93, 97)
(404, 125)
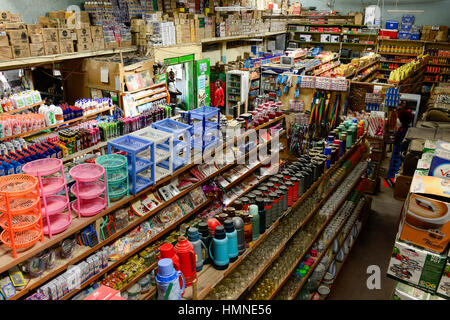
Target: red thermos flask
(185, 251)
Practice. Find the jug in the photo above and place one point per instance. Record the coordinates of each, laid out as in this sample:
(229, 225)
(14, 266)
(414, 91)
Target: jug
(166, 250)
(212, 224)
(167, 282)
(198, 245)
(239, 226)
(206, 238)
(231, 232)
(219, 245)
(186, 254)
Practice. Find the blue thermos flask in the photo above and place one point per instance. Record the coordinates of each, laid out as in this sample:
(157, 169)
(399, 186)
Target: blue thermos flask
(218, 249)
(167, 281)
(231, 232)
(200, 254)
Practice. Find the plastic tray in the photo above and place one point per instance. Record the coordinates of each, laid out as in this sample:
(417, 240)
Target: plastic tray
(55, 204)
(112, 161)
(88, 190)
(18, 184)
(58, 223)
(204, 112)
(171, 126)
(43, 167)
(52, 185)
(87, 172)
(22, 239)
(155, 135)
(129, 144)
(21, 222)
(19, 205)
(89, 207)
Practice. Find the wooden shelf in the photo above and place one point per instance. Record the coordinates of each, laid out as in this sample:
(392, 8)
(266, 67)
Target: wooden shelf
(33, 61)
(27, 107)
(31, 133)
(241, 37)
(139, 276)
(85, 151)
(399, 54)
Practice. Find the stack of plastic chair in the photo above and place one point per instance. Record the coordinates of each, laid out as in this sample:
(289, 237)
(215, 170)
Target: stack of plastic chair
(140, 155)
(206, 131)
(52, 180)
(20, 211)
(163, 142)
(117, 179)
(181, 140)
(89, 186)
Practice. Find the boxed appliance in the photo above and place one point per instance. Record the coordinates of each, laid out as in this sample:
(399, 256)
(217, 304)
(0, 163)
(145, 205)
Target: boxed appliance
(444, 285)
(404, 35)
(386, 33)
(392, 25)
(406, 26)
(416, 266)
(426, 220)
(408, 18)
(325, 37)
(334, 38)
(305, 37)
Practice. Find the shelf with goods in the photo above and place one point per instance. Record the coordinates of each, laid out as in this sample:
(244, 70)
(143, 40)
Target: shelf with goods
(26, 107)
(6, 262)
(242, 37)
(291, 296)
(50, 59)
(363, 221)
(135, 102)
(210, 279)
(237, 91)
(317, 233)
(58, 125)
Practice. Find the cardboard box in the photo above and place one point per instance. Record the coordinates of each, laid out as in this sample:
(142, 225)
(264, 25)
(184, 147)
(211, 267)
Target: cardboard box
(97, 32)
(5, 53)
(83, 32)
(426, 220)
(98, 44)
(416, 266)
(64, 34)
(15, 25)
(34, 29)
(17, 36)
(50, 34)
(5, 16)
(37, 49)
(444, 285)
(66, 46)
(401, 188)
(51, 47)
(36, 38)
(21, 51)
(84, 40)
(86, 46)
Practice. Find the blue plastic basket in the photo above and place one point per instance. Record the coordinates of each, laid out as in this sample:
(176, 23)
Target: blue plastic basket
(205, 112)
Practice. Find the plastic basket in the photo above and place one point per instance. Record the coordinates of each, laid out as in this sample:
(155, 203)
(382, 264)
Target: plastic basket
(43, 167)
(171, 126)
(19, 205)
(52, 185)
(22, 239)
(204, 112)
(87, 172)
(18, 184)
(88, 190)
(55, 204)
(22, 221)
(59, 223)
(112, 162)
(88, 207)
(129, 144)
(115, 192)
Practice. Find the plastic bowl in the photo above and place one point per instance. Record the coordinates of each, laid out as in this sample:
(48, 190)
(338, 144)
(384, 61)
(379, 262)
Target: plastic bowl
(86, 172)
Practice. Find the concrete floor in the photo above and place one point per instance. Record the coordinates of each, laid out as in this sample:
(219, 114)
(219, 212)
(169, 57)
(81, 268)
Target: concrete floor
(373, 247)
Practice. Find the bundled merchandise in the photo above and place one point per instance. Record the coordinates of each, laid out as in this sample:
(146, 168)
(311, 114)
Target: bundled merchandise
(20, 100)
(408, 69)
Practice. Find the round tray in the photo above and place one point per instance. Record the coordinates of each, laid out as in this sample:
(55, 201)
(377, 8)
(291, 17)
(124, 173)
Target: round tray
(43, 167)
(19, 205)
(89, 207)
(52, 185)
(88, 190)
(58, 222)
(112, 161)
(86, 172)
(18, 184)
(21, 222)
(55, 204)
(22, 239)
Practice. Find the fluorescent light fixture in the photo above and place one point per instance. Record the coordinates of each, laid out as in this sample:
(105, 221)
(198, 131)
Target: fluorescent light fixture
(404, 11)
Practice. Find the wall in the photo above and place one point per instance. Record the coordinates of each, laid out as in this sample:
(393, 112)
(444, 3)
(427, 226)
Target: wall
(231, 54)
(31, 9)
(435, 11)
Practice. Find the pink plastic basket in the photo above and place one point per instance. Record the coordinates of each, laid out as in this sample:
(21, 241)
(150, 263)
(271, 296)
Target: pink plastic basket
(52, 185)
(55, 204)
(43, 167)
(59, 223)
(88, 190)
(86, 172)
(89, 207)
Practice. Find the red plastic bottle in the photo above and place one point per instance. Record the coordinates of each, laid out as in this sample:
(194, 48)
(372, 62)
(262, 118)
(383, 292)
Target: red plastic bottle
(185, 251)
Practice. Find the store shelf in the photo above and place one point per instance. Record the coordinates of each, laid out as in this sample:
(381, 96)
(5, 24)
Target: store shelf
(363, 68)
(328, 69)
(399, 54)
(139, 276)
(359, 44)
(319, 232)
(151, 100)
(437, 64)
(241, 37)
(114, 264)
(146, 88)
(209, 279)
(43, 60)
(314, 32)
(31, 133)
(85, 151)
(26, 108)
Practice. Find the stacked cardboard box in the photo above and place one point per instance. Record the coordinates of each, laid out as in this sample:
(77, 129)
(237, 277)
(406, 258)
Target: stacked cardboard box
(98, 42)
(51, 40)
(36, 40)
(84, 39)
(18, 38)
